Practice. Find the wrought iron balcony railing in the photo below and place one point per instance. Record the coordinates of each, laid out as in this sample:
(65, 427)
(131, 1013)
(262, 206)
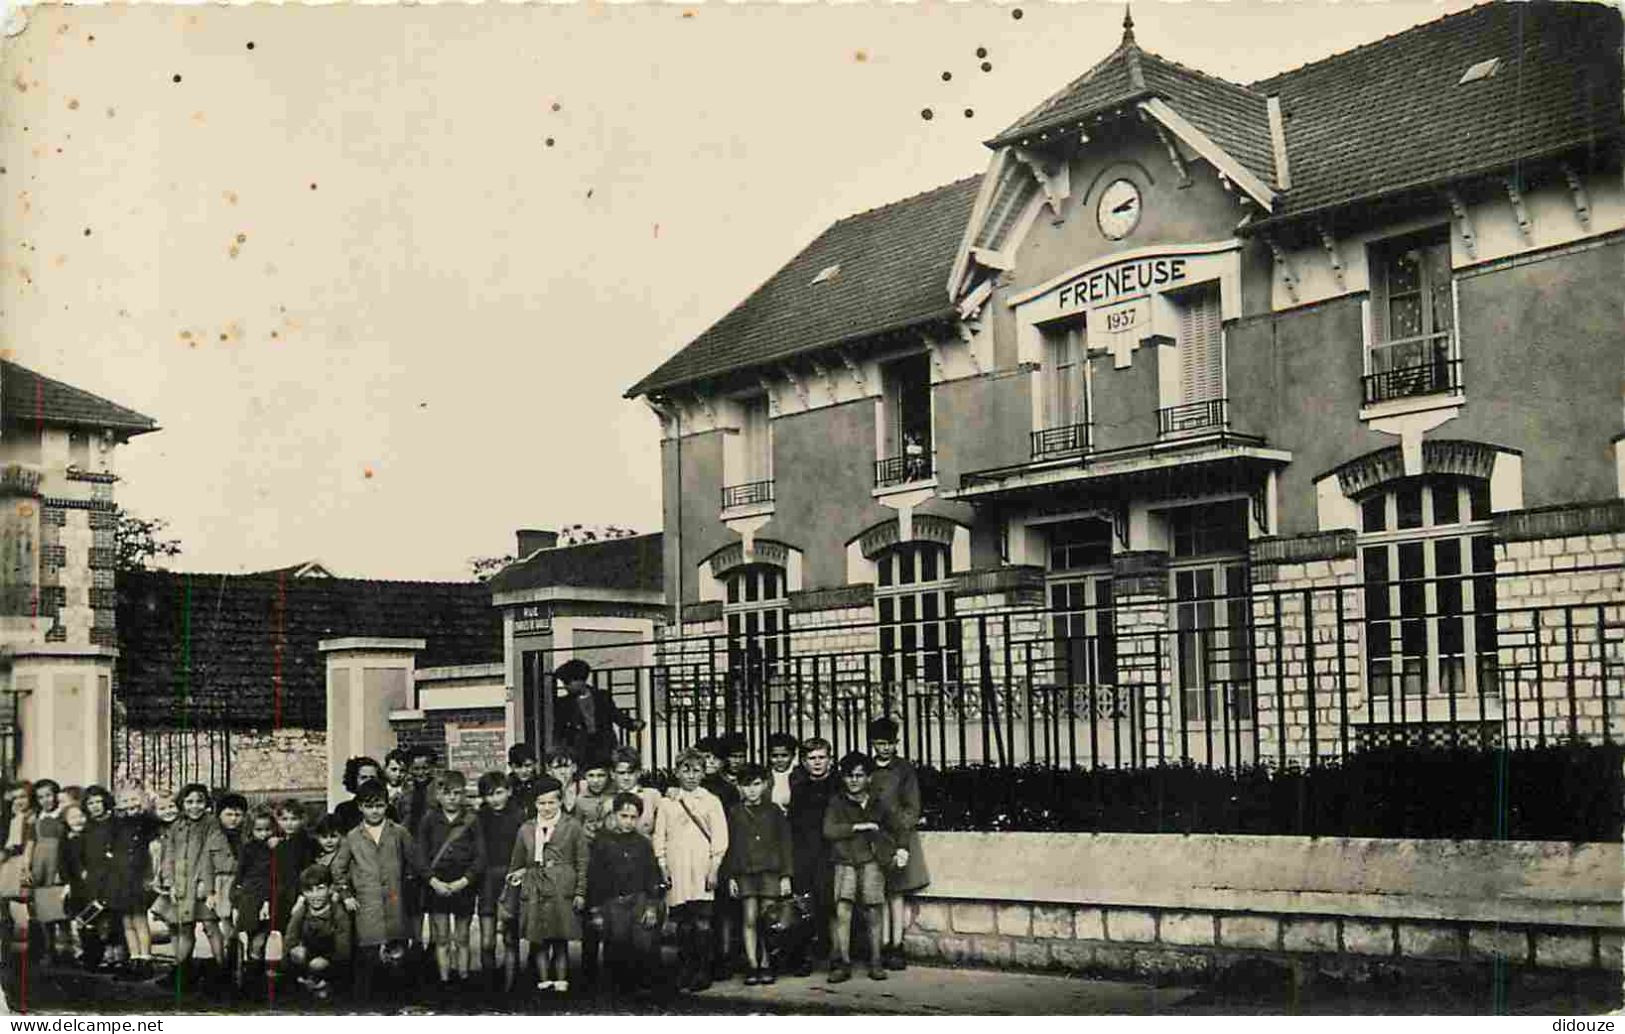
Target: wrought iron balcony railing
(1411, 367)
(1058, 441)
(1193, 416)
(903, 470)
(748, 494)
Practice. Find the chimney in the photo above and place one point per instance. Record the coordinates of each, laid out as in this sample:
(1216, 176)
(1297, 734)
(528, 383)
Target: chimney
(530, 540)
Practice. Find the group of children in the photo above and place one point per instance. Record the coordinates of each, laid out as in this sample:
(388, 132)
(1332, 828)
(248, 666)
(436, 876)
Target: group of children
(759, 869)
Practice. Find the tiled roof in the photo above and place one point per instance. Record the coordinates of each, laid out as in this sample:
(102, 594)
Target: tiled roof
(894, 263)
(1390, 115)
(1232, 116)
(26, 396)
(632, 563)
(227, 625)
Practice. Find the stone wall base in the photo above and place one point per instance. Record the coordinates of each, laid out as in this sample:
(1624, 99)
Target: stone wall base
(1183, 946)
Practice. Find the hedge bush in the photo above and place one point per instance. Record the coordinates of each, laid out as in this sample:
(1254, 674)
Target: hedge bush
(1572, 792)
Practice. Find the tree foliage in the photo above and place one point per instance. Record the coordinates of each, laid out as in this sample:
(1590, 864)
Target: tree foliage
(570, 535)
(140, 541)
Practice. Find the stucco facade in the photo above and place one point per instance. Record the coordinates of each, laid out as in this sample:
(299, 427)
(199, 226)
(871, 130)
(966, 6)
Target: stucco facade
(1166, 381)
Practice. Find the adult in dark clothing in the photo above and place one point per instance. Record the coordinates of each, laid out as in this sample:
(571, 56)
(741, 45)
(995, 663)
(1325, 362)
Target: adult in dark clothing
(811, 787)
(357, 770)
(585, 716)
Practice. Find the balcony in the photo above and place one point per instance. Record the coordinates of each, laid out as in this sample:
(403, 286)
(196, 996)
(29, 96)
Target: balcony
(903, 470)
(751, 493)
(1060, 441)
(1411, 368)
(1188, 417)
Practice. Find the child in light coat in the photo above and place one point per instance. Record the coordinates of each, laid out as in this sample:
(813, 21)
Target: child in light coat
(690, 840)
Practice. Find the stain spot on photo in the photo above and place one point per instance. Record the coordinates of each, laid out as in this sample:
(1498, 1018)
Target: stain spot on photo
(73, 104)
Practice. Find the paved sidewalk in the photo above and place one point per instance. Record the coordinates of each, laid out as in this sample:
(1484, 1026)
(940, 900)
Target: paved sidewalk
(927, 990)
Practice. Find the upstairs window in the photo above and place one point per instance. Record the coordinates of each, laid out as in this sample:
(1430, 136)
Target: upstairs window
(755, 440)
(1413, 307)
(1201, 402)
(1066, 393)
(906, 384)
(748, 458)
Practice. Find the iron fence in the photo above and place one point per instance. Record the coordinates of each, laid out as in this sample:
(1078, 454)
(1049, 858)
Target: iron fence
(193, 745)
(1271, 675)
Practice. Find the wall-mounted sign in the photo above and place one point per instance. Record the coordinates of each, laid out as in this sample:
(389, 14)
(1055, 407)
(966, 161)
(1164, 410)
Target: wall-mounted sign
(1119, 282)
(476, 749)
(532, 619)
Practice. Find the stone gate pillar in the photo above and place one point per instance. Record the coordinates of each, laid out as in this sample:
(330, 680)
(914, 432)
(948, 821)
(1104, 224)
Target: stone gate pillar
(367, 678)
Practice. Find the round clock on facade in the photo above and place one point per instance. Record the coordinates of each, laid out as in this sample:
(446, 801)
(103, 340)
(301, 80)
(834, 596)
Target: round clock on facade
(1119, 209)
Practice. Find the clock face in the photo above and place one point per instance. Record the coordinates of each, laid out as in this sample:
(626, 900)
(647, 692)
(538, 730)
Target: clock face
(1119, 209)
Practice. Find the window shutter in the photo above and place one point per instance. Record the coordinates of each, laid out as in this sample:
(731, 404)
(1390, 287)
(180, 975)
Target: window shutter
(1201, 355)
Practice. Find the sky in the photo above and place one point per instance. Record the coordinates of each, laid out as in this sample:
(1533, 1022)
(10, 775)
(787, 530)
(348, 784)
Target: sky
(383, 273)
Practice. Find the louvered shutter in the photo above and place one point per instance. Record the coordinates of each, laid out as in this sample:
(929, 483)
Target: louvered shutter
(1201, 354)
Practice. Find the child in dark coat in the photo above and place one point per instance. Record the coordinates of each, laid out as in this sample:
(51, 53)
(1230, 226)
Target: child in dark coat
(499, 822)
(251, 884)
(623, 892)
(758, 864)
(128, 876)
(295, 851)
(863, 833)
(897, 784)
(100, 936)
(451, 856)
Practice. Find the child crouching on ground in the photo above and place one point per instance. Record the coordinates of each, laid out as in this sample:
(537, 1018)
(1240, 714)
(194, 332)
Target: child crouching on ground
(863, 833)
(757, 865)
(623, 889)
(317, 942)
(549, 866)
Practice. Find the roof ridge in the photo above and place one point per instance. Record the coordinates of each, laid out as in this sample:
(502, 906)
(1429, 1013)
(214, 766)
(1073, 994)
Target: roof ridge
(266, 575)
(1209, 76)
(1088, 74)
(1453, 15)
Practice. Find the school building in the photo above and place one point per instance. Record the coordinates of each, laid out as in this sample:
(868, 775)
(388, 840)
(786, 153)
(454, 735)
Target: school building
(1261, 418)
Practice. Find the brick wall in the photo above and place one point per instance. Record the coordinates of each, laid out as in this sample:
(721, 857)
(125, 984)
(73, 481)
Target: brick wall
(430, 730)
(1553, 660)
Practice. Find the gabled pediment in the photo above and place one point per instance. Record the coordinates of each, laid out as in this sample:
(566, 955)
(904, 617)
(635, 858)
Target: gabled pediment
(1195, 116)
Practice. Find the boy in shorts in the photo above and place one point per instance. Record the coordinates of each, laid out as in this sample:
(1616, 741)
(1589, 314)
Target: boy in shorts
(863, 835)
